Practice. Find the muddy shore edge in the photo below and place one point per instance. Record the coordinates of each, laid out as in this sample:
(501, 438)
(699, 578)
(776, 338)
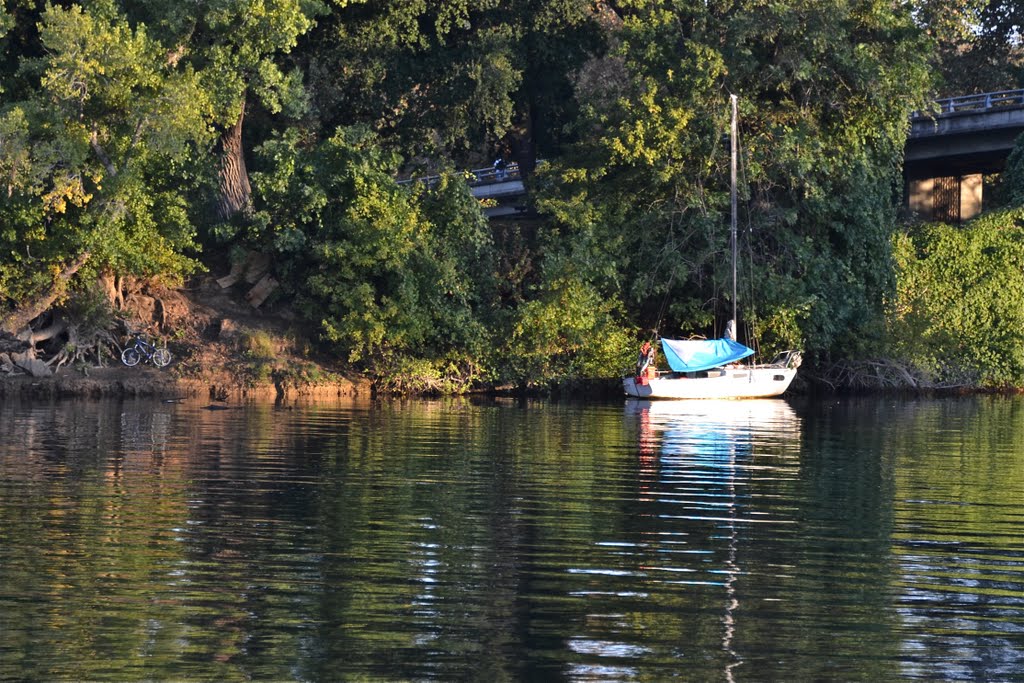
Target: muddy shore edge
(114, 382)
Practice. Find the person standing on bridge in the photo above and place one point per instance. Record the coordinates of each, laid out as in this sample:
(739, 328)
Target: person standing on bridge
(499, 168)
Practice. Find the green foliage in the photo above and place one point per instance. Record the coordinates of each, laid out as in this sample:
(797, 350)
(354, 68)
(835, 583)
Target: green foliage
(446, 77)
(958, 311)
(300, 373)
(351, 230)
(113, 126)
(257, 345)
(454, 374)
(385, 271)
(90, 311)
(824, 89)
(6, 20)
(977, 46)
(15, 151)
(567, 331)
(258, 353)
(86, 158)
(245, 36)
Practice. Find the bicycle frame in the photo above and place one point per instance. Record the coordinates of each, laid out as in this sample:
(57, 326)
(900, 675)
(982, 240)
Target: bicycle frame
(142, 346)
(140, 349)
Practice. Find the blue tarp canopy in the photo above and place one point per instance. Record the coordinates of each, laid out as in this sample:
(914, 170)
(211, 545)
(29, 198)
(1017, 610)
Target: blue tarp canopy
(694, 355)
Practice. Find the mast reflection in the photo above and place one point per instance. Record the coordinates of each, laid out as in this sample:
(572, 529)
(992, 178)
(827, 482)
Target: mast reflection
(704, 455)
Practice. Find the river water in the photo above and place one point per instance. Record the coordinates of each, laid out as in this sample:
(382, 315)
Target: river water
(487, 541)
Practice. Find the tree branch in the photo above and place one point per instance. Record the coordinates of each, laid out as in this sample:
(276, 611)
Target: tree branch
(101, 154)
(19, 319)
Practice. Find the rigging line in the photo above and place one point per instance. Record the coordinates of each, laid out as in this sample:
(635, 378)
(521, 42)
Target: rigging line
(657, 266)
(664, 304)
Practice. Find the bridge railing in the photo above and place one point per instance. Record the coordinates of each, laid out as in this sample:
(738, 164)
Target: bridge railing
(477, 176)
(974, 103)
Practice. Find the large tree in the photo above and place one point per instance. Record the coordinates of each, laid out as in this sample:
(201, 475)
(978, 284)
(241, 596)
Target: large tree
(89, 158)
(388, 274)
(825, 89)
(978, 44)
(236, 48)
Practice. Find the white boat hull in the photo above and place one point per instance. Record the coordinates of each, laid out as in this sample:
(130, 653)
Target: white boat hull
(739, 382)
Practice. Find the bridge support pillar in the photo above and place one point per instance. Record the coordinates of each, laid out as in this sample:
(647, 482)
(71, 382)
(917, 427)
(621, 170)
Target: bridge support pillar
(952, 199)
(970, 196)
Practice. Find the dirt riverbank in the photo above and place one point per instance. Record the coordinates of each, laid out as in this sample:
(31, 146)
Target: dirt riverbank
(223, 349)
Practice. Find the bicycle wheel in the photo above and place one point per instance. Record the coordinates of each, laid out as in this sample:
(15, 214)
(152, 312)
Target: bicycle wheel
(161, 358)
(130, 356)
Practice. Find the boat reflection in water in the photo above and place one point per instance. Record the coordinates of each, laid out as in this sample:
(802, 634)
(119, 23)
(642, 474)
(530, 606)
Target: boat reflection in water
(709, 435)
(713, 428)
(708, 468)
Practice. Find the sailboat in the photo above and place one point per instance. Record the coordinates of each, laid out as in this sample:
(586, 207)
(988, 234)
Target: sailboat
(710, 368)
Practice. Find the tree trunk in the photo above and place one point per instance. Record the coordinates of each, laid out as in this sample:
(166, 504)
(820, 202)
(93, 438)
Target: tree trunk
(235, 191)
(18, 320)
(101, 154)
(110, 285)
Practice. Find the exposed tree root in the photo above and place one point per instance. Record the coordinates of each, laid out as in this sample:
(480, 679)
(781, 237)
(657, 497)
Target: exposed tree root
(881, 374)
(98, 345)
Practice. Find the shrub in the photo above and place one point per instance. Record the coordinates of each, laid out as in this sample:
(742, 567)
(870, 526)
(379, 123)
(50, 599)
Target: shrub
(257, 345)
(958, 311)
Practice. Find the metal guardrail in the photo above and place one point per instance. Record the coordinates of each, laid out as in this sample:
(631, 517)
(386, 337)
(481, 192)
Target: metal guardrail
(974, 103)
(477, 176)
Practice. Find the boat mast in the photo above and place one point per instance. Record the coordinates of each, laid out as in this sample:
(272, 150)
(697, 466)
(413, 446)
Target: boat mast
(732, 196)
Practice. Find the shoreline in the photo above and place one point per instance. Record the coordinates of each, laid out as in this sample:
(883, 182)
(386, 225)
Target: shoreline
(116, 382)
(222, 385)
(233, 380)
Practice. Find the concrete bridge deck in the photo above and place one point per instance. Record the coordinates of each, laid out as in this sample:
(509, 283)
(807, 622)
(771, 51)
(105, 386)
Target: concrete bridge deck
(970, 134)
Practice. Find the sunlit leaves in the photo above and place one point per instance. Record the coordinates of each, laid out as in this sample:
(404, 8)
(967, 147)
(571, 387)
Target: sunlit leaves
(112, 82)
(87, 158)
(245, 36)
(15, 151)
(387, 272)
(958, 311)
(825, 89)
(566, 331)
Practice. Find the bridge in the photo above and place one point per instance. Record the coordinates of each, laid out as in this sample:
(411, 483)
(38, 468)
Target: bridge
(951, 150)
(502, 191)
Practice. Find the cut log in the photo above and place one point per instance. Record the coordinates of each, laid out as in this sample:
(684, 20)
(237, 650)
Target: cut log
(234, 276)
(258, 294)
(256, 266)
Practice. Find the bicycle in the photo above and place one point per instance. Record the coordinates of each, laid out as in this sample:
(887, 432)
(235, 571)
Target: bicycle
(140, 349)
